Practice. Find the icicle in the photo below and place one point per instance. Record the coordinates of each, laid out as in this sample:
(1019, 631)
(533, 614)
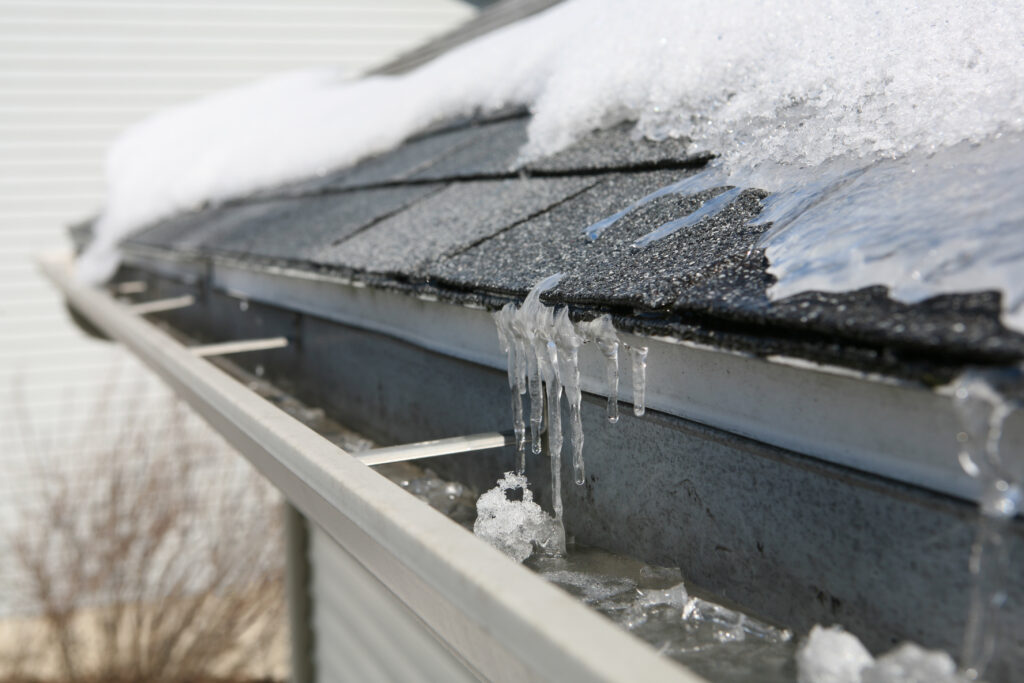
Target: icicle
(555, 431)
(543, 355)
(569, 341)
(510, 344)
(571, 377)
(602, 331)
(519, 424)
(638, 354)
(536, 396)
(983, 411)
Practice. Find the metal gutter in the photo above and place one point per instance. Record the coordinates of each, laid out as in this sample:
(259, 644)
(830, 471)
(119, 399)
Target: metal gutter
(895, 429)
(504, 621)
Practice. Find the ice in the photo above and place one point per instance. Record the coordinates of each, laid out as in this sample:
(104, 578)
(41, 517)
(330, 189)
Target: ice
(516, 527)
(983, 409)
(929, 223)
(655, 604)
(781, 81)
(638, 354)
(710, 207)
(602, 332)
(689, 185)
(831, 655)
(551, 342)
(910, 663)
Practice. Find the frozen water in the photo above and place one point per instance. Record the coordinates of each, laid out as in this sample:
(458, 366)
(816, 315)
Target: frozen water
(639, 356)
(782, 81)
(911, 663)
(983, 410)
(653, 603)
(831, 655)
(926, 224)
(516, 527)
(550, 344)
(602, 332)
(451, 498)
(690, 185)
(710, 207)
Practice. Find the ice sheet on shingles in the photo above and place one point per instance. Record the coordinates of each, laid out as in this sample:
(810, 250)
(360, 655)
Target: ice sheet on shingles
(254, 228)
(447, 222)
(607, 270)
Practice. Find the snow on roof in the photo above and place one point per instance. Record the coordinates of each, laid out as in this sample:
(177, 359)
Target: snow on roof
(786, 93)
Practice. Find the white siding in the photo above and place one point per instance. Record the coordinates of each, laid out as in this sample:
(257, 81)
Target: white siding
(73, 73)
(363, 632)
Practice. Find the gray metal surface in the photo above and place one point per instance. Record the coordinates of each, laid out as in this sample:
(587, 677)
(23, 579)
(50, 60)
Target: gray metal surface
(502, 620)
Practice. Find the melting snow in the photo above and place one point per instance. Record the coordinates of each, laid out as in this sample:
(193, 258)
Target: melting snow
(759, 83)
(831, 655)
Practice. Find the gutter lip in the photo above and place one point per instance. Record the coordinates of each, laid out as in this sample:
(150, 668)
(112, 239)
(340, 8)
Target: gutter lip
(873, 423)
(542, 629)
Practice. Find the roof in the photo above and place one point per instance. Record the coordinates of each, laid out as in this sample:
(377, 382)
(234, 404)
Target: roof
(452, 214)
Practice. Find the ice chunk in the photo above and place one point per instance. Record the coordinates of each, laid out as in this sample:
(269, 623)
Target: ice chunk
(516, 527)
(831, 655)
(910, 663)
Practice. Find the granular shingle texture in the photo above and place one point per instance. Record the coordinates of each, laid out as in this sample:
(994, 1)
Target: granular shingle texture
(455, 214)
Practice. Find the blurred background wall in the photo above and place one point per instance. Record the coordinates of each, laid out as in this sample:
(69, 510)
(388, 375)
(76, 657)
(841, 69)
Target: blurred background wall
(73, 74)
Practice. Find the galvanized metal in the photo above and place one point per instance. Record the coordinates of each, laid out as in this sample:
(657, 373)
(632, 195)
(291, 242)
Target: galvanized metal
(502, 620)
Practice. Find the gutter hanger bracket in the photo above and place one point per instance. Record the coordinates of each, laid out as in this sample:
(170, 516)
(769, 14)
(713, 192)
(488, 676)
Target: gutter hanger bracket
(438, 447)
(240, 346)
(161, 305)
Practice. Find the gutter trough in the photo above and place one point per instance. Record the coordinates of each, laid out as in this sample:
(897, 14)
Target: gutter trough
(802, 493)
(496, 619)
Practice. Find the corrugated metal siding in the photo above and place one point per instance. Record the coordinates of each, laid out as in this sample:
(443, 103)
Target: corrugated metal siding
(365, 633)
(73, 73)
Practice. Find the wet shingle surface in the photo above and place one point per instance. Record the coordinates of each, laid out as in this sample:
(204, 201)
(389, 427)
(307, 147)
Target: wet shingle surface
(619, 148)
(450, 213)
(461, 215)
